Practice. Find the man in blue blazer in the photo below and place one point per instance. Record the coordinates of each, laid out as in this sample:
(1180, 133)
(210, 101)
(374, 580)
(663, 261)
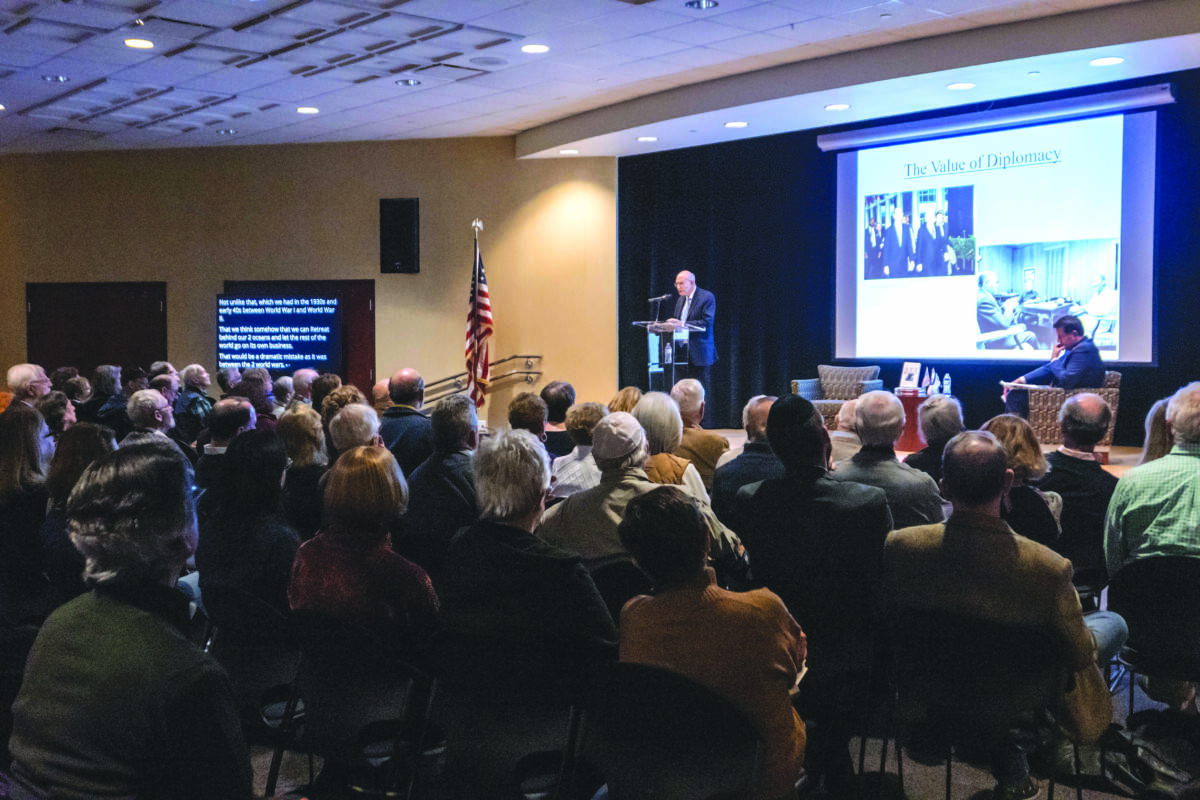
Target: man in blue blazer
(1074, 362)
(697, 306)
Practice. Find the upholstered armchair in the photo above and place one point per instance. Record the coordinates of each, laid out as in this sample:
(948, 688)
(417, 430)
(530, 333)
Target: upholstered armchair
(1045, 402)
(836, 385)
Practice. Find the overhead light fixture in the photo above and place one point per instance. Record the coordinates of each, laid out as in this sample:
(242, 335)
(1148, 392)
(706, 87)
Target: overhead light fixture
(1, 106)
(961, 86)
(308, 110)
(139, 44)
(535, 49)
(838, 107)
(408, 82)
(701, 5)
(55, 78)
(226, 132)
(736, 124)
(647, 138)
(570, 151)
(1107, 61)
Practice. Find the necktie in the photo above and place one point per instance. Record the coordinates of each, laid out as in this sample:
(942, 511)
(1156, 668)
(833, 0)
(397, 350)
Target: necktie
(687, 304)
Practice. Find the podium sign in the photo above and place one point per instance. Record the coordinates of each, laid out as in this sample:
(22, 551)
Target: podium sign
(667, 349)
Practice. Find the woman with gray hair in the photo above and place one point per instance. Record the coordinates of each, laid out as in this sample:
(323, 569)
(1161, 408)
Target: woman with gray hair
(659, 416)
(941, 420)
(117, 701)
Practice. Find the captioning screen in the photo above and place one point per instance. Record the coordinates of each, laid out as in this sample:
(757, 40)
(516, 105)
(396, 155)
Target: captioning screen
(279, 333)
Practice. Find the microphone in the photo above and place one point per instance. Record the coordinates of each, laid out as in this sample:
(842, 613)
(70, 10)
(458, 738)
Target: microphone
(666, 296)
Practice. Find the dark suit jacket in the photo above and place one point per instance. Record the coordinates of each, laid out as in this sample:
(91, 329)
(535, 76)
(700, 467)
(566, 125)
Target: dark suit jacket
(408, 434)
(441, 500)
(1086, 489)
(817, 543)
(927, 254)
(1079, 366)
(756, 463)
(895, 249)
(704, 308)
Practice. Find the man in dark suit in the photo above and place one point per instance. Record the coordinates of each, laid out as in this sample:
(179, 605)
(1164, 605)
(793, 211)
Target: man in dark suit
(929, 261)
(898, 250)
(696, 306)
(405, 429)
(1074, 362)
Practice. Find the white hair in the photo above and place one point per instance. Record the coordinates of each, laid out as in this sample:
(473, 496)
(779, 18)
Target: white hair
(689, 394)
(847, 416)
(658, 414)
(353, 426)
(142, 406)
(880, 418)
(512, 474)
(1183, 413)
(21, 375)
(940, 418)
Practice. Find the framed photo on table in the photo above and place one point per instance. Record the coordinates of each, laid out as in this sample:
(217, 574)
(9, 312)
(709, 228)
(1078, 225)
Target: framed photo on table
(909, 374)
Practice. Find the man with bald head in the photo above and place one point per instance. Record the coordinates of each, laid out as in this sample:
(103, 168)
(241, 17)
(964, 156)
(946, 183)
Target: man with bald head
(974, 564)
(302, 381)
(696, 306)
(405, 429)
(756, 461)
(27, 382)
(1084, 485)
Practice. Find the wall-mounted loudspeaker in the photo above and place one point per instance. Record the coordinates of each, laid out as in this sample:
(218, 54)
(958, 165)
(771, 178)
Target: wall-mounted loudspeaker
(399, 235)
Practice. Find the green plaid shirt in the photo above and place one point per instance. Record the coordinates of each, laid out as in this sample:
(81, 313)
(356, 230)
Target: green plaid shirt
(1155, 510)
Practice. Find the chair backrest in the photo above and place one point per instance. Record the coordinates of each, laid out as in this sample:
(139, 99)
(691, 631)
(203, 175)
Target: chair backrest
(653, 733)
(843, 383)
(254, 642)
(1159, 599)
(618, 582)
(348, 679)
(974, 674)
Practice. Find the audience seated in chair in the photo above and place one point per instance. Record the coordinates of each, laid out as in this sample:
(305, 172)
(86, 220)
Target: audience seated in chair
(577, 470)
(702, 448)
(755, 462)
(25, 452)
(658, 414)
(844, 438)
(117, 701)
(304, 441)
(940, 418)
(912, 495)
(1029, 511)
(558, 396)
(405, 428)
(975, 564)
(745, 646)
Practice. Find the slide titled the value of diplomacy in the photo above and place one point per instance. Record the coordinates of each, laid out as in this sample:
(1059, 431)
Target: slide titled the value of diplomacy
(982, 163)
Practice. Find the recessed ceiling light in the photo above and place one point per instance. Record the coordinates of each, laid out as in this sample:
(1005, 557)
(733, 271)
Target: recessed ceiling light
(960, 87)
(1107, 61)
(488, 61)
(647, 138)
(139, 44)
(701, 5)
(535, 48)
(1, 106)
(408, 82)
(55, 78)
(736, 124)
(838, 107)
(308, 110)
(226, 132)
(568, 152)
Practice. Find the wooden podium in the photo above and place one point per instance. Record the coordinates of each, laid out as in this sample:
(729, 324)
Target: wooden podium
(910, 439)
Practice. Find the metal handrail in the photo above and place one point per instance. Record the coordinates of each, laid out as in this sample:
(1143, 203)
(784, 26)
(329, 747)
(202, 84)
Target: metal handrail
(457, 383)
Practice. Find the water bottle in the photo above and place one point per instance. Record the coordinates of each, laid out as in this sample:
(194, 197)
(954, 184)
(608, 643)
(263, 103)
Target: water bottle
(946, 384)
(667, 353)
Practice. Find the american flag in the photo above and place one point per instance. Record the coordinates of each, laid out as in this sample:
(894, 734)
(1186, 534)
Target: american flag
(479, 329)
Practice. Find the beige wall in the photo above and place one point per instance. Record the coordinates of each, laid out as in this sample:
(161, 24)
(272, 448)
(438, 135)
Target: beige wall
(198, 217)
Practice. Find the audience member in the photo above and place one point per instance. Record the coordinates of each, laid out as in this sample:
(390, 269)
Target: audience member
(57, 410)
(356, 425)
(1153, 512)
(25, 452)
(844, 438)
(757, 462)
(79, 390)
(406, 429)
(230, 417)
(302, 381)
(227, 379)
(76, 450)
(659, 417)
(247, 545)
(332, 405)
(625, 400)
(699, 446)
(61, 376)
(381, 399)
(975, 564)
(1159, 439)
(322, 385)
(106, 381)
(27, 382)
(816, 543)
(534, 604)
(304, 440)
(1030, 512)
(912, 495)
(193, 405)
(151, 415)
(743, 645)
(161, 368)
(442, 490)
(349, 569)
(577, 470)
(114, 413)
(257, 389)
(527, 412)
(281, 395)
(558, 396)
(940, 418)
(117, 701)
(1084, 486)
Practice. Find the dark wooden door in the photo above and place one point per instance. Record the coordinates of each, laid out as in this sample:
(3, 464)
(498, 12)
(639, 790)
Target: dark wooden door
(357, 302)
(87, 324)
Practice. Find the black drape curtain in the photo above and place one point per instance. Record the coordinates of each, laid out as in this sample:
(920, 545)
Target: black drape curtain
(755, 220)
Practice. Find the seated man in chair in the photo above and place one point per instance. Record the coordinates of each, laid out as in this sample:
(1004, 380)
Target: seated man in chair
(1074, 362)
